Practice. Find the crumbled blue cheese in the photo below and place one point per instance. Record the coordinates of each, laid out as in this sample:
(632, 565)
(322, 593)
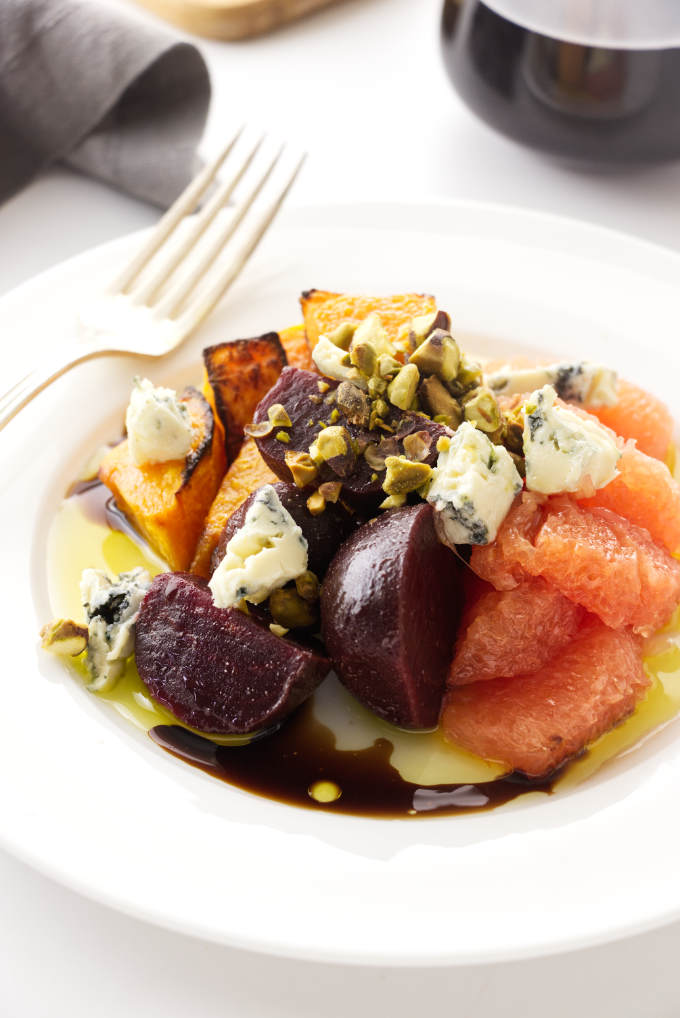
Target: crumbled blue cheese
(265, 553)
(564, 451)
(112, 607)
(333, 362)
(473, 487)
(579, 382)
(158, 424)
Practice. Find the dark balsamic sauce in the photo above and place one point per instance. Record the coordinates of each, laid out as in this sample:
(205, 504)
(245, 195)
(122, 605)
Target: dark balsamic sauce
(588, 104)
(284, 765)
(99, 506)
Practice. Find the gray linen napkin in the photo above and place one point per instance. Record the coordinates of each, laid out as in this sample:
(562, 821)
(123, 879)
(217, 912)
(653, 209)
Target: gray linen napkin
(83, 82)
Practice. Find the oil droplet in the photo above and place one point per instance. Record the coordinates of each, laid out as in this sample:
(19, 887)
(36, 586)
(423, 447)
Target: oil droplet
(324, 791)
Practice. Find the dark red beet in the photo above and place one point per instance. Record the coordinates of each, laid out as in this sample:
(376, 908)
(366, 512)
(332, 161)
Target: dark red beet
(324, 533)
(218, 670)
(390, 606)
(298, 392)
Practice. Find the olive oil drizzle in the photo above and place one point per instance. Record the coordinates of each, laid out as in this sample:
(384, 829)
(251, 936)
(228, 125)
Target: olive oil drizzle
(380, 774)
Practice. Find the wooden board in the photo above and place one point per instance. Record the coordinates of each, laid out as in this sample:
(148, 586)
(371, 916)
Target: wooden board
(231, 19)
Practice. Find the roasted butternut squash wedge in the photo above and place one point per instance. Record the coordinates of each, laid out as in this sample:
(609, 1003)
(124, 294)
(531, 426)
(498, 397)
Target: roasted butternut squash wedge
(240, 373)
(248, 472)
(167, 502)
(298, 351)
(323, 311)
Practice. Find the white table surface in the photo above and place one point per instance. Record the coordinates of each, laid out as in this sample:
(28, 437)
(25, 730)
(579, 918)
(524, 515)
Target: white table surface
(362, 87)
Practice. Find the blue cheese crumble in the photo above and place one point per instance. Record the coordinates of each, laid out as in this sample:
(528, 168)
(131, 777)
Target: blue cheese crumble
(158, 424)
(580, 382)
(473, 487)
(563, 451)
(264, 554)
(111, 607)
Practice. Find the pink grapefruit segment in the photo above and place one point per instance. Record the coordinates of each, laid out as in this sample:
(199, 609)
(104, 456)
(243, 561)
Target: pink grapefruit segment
(510, 632)
(597, 559)
(535, 722)
(646, 493)
(641, 416)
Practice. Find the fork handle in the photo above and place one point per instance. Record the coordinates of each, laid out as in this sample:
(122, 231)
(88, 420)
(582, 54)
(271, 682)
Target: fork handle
(27, 388)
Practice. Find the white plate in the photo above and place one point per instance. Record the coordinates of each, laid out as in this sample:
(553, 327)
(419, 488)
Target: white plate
(92, 802)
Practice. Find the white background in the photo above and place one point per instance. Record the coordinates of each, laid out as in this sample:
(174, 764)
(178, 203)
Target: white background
(360, 86)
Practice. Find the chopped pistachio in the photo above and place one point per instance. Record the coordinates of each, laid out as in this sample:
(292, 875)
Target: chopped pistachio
(302, 467)
(421, 327)
(330, 490)
(469, 374)
(384, 426)
(290, 610)
(316, 399)
(342, 335)
(331, 442)
(374, 476)
(310, 422)
(513, 436)
(443, 443)
(335, 415)
(376, 387)
(441, 404)
(437, 355)
(371, 330)
(322, 386)
(354, 404)
(481, 408)
(375, 455)
(316, 503)
(403, 475)
(282, 436)
(277, 630)
(259, 429)
(64, 637)
(363, 356)
(402, 388)
(278, 415)
(417, 445)
(381, 408)
(388, 366)
(393, 502)
(308, 586)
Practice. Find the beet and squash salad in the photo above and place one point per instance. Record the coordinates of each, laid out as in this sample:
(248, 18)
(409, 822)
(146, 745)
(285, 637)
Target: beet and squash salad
(360, 571)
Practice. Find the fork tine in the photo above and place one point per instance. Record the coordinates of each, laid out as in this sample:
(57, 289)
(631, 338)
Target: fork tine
(144, 294)
(205, 302)
(14, 399)
(185, 204)
(170, 304)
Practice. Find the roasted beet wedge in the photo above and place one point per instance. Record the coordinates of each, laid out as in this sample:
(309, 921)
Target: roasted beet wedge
(298, 392)
(390, 606)
(324, 533)
(218, 670)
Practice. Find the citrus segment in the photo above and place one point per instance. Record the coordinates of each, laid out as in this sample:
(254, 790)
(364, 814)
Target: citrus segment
(535, 722)
(646, 493)
(510, 632)
(639, 415)
(593, 556)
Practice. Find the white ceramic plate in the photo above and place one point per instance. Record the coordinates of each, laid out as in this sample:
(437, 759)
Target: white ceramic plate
(92, 802)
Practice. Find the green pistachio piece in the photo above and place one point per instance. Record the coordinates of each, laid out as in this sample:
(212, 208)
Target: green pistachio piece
(278, 416)
(388, 366)
(316, 503)
(437, 355)
(308, 586)
(439, 401)
(342, 335)
(64, 637)
(371, 331)
(403, 475)
(282, 436)
(259, 429)
(481, 408)
(322, 386)
(402, 389)
(276, 629)
(381, 407)
(417, 445)
(423, 325)
(393, 502)
(330, 490)
(364, 357)
(376, 387)
(302, 467)
(290, 610)
(330, 442)
(354, 404)
(513, 436)
(469, 374)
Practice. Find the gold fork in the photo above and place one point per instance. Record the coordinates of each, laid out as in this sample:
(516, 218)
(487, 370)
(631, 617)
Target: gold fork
(151, 307)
